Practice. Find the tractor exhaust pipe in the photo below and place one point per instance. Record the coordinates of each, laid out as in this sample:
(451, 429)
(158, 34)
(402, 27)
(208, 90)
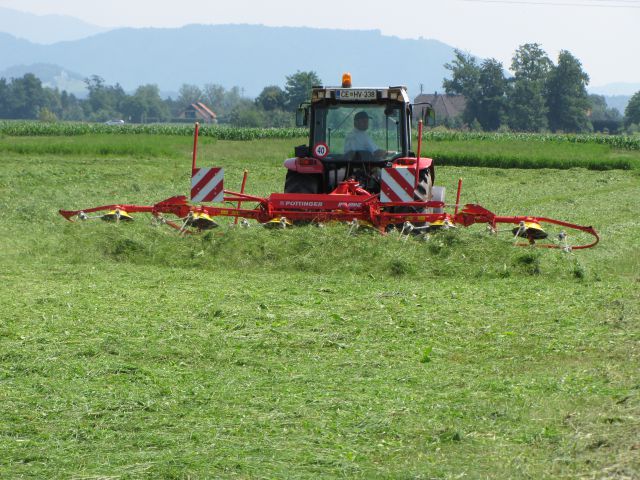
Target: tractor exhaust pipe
(415, 186)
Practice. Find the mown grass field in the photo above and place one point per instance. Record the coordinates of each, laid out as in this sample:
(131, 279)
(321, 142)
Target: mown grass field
(129, 352)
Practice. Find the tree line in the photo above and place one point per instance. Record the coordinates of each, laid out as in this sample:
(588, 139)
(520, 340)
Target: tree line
(540, 96)
(27, 98)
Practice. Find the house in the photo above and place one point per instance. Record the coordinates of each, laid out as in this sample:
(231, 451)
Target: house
(445, 106)
(199, 111)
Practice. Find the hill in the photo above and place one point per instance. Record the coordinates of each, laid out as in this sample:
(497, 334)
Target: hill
(45, 28)
(616, 89)
(249, 56)
(618, 101)
(617, 95)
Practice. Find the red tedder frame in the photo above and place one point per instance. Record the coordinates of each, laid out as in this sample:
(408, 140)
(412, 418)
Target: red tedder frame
(349, 202)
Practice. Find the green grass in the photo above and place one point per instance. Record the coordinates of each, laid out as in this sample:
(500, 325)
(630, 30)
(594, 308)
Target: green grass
(100, 145)
(624, 142)
(524, 153)
(495, 150)
(129, 352)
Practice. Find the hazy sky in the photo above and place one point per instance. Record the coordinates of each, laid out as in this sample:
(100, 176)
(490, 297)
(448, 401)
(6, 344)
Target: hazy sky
(603, 34)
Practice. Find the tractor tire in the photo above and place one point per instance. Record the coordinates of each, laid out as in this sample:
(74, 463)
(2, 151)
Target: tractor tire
(423, 192)
(302, 183)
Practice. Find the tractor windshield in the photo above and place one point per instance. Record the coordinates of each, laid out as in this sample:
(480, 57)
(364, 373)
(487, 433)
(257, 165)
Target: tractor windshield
(348, 129)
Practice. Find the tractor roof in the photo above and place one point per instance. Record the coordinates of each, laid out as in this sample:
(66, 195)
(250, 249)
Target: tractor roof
(360, 94)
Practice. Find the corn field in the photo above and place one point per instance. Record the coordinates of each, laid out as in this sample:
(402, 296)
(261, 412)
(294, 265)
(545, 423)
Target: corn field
(34, 128)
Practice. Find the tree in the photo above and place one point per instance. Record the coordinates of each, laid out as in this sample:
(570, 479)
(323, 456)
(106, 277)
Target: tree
(483, 87)
(298, 88)
(567, 98)
(213, 95)
(531, 62)
(246, 115)
(26, 97)
(600, 111)
(46, 115)
(95, 85)
(632, 112)
(271, 98)
(232, 98)
(602, 117)
(104, 101)
(491, 102)
(52, 102)
(465, 80)
(187, 95)
(221, 100)
(527, 103)
(278, 119)
(146, 105)
(465, 74)
(71, 109)
(4, 98)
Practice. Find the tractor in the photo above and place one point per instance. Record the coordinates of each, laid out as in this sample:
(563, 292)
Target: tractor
(356, 133)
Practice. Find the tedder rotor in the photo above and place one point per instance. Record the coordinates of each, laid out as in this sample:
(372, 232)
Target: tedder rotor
(358, 167)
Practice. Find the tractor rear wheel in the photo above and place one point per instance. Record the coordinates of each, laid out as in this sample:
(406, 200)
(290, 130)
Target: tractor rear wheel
(421, 194)
(302, 183)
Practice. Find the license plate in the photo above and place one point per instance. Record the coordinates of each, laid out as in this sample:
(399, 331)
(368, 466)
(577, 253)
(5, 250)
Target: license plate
(355, 94)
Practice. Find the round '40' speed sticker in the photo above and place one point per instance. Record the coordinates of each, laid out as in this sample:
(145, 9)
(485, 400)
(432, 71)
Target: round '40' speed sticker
(320, 150)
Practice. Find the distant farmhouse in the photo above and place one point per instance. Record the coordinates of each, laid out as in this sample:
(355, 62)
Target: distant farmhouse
(199, 111)
(447, 107)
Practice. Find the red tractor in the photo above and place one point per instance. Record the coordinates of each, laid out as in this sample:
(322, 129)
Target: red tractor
(357, 133)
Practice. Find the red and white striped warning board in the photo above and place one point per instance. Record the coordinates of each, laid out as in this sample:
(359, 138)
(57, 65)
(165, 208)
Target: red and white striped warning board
(397, 184)
(206, 185)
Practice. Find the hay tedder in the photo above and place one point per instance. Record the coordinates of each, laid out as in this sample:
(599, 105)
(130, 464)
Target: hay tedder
(358, 168)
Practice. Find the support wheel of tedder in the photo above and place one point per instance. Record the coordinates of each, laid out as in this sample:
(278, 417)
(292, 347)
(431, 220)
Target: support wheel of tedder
(421, 194)
(302, 183)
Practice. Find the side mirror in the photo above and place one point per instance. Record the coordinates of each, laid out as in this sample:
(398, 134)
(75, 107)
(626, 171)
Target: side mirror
(301, 151)
(429, 116)
(427, 113)
(302, 117)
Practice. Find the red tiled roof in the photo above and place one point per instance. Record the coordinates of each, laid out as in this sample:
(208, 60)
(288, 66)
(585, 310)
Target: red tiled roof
(204, 111)
(207, 109)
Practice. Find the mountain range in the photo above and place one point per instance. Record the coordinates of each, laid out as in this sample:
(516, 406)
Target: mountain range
(62, 51)
(248, 56)
(45, 28)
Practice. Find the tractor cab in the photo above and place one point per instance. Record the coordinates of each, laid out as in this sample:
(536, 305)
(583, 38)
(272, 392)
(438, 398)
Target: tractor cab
(353, 133)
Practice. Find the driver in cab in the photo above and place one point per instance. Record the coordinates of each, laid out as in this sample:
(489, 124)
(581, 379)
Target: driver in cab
(359, 140)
